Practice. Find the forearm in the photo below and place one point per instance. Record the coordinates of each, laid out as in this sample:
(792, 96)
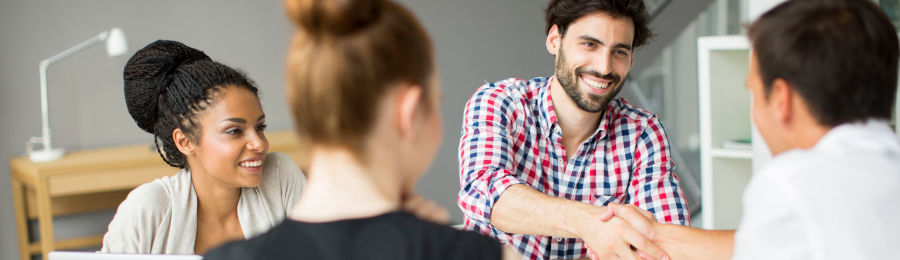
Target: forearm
(524, 210)
(691, 243)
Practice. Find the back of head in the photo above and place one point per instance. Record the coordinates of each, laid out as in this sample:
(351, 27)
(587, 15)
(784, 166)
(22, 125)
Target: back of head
(166, 84)
(839, 55)
(343, 58)
(563, 12)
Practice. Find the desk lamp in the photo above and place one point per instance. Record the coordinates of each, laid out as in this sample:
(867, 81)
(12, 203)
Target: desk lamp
(115, 45)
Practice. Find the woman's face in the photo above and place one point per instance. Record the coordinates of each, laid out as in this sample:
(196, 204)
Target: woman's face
(232, 147)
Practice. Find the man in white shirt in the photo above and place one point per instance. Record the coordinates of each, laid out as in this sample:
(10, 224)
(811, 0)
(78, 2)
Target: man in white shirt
(823, 75)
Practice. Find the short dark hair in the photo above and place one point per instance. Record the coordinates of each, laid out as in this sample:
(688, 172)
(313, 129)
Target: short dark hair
(167, 84)
(839, 55)
(563, 12)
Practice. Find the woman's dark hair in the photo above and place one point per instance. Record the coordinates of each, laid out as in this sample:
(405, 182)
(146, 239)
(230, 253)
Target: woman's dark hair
(166, 84)
(563, 12)
(839, 55)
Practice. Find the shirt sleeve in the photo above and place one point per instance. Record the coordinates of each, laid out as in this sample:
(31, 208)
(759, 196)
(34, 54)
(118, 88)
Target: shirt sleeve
(133, 228)
(654, 186)
(486, 157)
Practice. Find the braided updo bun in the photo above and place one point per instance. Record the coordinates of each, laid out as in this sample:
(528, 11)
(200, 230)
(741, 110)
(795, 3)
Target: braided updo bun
(166, 84)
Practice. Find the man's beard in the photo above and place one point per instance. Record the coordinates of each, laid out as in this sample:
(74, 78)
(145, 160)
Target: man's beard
(568, 79)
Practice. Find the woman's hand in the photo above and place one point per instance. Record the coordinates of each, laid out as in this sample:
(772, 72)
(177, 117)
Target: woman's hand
(425, 209)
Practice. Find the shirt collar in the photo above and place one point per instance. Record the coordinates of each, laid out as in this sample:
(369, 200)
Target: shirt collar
(875, 130)
(550, 121)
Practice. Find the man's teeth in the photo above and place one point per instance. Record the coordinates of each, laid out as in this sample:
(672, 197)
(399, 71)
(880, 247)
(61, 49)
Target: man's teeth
(595, 84)
(256, 163)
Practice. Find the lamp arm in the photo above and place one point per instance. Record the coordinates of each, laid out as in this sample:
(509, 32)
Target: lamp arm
(42, 68)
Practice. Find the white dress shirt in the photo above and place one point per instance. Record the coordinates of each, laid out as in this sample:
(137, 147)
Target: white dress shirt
(837, 200)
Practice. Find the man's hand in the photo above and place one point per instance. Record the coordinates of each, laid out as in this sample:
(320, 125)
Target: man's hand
(615, 238)
(425, 209)
(640, 219)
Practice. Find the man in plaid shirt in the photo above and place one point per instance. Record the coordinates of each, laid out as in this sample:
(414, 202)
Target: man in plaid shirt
(541, 158)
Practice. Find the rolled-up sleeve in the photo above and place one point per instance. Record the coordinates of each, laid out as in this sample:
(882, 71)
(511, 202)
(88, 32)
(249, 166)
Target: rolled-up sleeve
(486, 157)
(654, 186)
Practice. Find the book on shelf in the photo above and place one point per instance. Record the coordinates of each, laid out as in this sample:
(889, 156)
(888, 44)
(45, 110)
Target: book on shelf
(738, 144)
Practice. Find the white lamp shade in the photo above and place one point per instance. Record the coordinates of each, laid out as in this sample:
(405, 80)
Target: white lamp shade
(116, 44)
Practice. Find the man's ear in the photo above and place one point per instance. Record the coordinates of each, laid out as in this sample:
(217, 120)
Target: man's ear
(554, 39)
(182, 141)
(782, 100)
(407, 105)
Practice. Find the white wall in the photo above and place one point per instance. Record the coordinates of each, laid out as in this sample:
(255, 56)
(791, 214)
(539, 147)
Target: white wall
(758, 7)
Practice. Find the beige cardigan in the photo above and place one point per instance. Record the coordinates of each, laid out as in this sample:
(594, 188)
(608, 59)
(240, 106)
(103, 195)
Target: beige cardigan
(160, 217)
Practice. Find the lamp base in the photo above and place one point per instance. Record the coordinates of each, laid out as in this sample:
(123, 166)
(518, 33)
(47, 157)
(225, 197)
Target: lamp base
(46, 155)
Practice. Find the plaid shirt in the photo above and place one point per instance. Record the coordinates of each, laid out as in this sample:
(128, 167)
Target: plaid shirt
(510, 136)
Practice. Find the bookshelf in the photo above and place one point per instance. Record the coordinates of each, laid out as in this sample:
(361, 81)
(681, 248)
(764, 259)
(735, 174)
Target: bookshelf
(730, 147)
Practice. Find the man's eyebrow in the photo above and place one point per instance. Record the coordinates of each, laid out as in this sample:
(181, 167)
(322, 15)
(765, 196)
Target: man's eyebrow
(589, 38)
(618, 45)
(624, 46)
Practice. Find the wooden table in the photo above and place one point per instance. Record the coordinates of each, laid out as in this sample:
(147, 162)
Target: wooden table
(92, 180)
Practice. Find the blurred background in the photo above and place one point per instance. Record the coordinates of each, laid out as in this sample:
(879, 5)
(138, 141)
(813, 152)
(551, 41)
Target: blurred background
(476, 42)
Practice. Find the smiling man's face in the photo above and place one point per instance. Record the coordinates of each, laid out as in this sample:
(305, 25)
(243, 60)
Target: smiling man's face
(593, 60)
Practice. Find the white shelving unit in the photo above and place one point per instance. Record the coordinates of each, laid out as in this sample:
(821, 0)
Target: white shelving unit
(725, 116)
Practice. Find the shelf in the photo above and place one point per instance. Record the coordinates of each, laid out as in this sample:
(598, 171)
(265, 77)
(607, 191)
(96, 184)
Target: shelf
(731, 153)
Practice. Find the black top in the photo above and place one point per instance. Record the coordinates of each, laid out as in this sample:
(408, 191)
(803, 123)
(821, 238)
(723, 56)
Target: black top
(395, 235)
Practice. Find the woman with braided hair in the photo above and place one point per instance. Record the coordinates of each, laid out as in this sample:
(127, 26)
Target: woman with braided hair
(206, 119)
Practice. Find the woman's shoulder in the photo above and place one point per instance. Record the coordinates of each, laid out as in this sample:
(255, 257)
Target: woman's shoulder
(278, 159)
(156, 196)
(282, 168)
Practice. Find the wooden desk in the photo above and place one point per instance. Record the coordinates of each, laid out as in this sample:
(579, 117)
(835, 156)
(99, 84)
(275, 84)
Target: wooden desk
(92, 180)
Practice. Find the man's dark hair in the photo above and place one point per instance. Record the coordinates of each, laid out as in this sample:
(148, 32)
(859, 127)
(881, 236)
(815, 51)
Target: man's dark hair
(839, 55)
(563, 12)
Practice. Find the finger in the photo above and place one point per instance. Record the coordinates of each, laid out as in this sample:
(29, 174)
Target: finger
(625, 252)
(644, 256)
(439, 214)
(642, 211)
(608, 214)
(593, 255)
(432, 211)
(413, 201)
(636, 219)
(642, 243)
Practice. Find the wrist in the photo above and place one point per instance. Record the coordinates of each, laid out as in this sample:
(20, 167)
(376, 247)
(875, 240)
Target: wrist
(662, 233)
(581, 219)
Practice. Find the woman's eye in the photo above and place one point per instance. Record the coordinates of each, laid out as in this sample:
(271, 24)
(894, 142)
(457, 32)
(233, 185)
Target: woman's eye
(233, 131)
(261, 127)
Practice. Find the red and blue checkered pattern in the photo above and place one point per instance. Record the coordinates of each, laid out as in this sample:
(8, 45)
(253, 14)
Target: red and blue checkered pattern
(510, 136)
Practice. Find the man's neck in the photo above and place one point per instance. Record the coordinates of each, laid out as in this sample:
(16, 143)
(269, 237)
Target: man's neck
(576, 124)
(808, 134)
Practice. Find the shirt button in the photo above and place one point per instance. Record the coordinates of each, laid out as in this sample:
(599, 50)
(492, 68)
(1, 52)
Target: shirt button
(560, 161)
(558, 239)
